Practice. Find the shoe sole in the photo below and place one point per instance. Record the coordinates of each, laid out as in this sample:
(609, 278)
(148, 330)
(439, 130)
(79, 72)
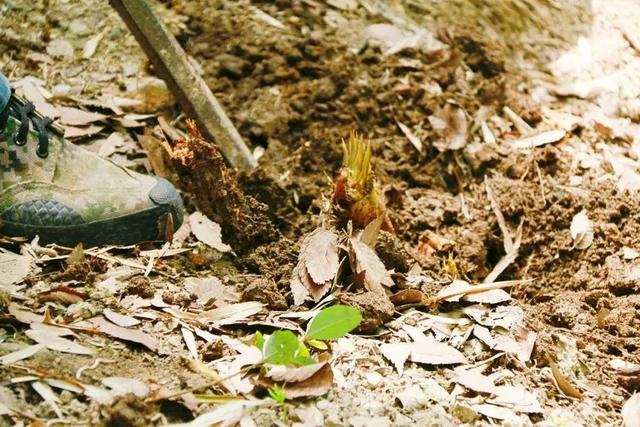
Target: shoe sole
(143, 226)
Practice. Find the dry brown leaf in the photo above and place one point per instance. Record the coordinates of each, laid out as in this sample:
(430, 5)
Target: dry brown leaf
(397, 353)
(132, 335)
(63, 294)
(317, 385)
(473, 379)
(631, 411)
(450, 123)
(426, 349)
(91, 45)
(208, 288)
(409, 296)
(484, 293)
(516, 398)
(190, 340)
(364, 260)
(14, 268)
(299, 291)
(319, 253)
(494, 411)
(120, 319)
(57, 343)
(370, 233)
(231, 313)
(513, 397)
(23, 315)
(625, 368)
(293, 375)
(539, 139)
(581, 230)
(71, 132)
(76, 117)
(21, 354)
(413, 139)
(563, 383)
(207, 231)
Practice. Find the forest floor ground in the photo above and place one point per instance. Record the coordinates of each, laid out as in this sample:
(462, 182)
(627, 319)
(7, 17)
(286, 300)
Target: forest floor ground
(550, 110)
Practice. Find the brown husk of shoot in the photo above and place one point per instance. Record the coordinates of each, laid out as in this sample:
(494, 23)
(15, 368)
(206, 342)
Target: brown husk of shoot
(357, 195)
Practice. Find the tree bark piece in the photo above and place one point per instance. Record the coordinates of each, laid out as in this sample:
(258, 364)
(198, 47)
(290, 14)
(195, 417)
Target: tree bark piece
(171, 63)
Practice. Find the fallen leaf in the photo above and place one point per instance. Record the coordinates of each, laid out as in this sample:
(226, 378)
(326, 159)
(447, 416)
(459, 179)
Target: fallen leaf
(625, 368)
(23, 315)
(370, 233)
(563, 383)
(450, 123)
(426, 349)
(317, 385)
(293, 375)
(190, 341)
(120, 319)
(539, 139)
(91, 45)
(231, 313)
(14, 268)
(459, 289)
(71, 132)
(76, 117)
(207, 231)
(412, 398)
(229, 413)
(364, 260)
(132, 335)
(494, 411)
(299, 291)
(21, 354)
(413, 139)
(208, 289)
(57, 343)
(397, 353)
(581, 230)
(47, 395)
(63, 295)
(516, 398)
(319, 253)
(631, 411)
(409, 296)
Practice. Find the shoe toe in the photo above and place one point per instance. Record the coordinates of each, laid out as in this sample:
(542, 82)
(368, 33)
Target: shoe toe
(165, 194)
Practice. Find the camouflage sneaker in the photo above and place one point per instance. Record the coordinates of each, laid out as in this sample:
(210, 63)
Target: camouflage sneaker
(66, 195)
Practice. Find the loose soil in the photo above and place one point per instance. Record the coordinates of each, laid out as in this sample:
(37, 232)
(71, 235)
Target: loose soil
(296, 93)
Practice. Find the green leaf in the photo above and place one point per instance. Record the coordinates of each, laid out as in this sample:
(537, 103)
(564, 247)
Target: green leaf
(259, 340)
(333, 322)
(303, 361)
(281, 348)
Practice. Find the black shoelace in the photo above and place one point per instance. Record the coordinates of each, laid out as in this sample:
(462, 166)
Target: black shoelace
(25, 112)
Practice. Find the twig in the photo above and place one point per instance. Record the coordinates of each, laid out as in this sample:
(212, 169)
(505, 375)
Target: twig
(483, 287)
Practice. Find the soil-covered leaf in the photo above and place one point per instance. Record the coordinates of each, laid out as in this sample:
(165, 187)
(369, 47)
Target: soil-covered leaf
(319, 253)
(365, 262)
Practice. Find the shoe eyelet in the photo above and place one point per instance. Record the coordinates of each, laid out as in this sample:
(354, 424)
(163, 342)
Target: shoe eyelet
(42, 155)
(20, 143)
